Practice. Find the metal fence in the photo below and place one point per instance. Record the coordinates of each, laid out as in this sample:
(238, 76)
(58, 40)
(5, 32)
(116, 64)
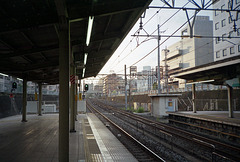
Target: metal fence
(208, 104)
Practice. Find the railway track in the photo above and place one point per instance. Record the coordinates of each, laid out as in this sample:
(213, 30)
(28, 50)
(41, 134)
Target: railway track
(140, 151)
(201, 147)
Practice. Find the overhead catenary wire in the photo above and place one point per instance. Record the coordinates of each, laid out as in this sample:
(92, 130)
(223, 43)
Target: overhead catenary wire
(150, 34)
(133, 37)
(165, 40)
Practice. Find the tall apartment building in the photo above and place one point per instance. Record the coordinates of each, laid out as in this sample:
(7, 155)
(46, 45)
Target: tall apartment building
(226, 24)
(189, 52)
(144, 80)
(113, 84)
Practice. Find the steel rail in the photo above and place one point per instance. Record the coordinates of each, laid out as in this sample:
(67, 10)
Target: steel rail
(184, 134)
(155, 156)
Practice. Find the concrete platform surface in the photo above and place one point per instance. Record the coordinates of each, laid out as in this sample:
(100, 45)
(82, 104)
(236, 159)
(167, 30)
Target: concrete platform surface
(37, 140)
(216, 116)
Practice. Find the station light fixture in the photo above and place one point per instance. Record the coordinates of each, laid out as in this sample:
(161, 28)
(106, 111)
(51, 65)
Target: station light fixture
(83, 72)
(85, 58)
(204, 81)
(89, 30)
(3, 74)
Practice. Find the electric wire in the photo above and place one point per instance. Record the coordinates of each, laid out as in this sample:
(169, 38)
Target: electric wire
(133, 37)
(151, 33)
(165, 39)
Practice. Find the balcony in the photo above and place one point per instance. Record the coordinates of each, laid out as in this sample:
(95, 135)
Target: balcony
(175, 68)
(174, 54)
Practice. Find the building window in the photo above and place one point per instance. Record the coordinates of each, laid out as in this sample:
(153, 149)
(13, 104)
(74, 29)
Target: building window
(216, 12)
(218, 40)
(232, 50)
(230, 34)
(238, 32)
(239, 48)
(229, 5)
(224, 37)
(230, 19)
(218, 54)
(222, 7)
(224, 52)
(217, 26)
(223, 22)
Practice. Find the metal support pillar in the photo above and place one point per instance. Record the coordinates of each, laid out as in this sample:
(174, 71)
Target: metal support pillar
(76, 97)
(40, 99)
(230, 106)
(194, 98)
(24, 108)
(72, 104)
(63, 90)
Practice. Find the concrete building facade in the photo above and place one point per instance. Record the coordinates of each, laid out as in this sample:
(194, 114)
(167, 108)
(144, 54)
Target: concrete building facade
(189, 52)
(226, 27)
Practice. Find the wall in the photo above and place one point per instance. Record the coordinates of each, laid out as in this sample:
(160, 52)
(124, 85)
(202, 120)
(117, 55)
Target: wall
(206, 100)
(9, 107)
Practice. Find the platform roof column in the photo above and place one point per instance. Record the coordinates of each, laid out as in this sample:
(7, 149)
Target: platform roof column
(76, 97)
(230, 109)
(24, 108)
(72, 98)
(194, 98)
(63, 90)
(40, 99)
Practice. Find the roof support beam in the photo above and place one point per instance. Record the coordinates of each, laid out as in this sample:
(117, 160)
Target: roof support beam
(27, 52)
(35, 50)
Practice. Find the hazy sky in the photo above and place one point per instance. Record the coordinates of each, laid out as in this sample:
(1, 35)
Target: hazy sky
(129, 52)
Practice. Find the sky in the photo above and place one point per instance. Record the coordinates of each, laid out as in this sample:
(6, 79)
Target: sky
(133, 49)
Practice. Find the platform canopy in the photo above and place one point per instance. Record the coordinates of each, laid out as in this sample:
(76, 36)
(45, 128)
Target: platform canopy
(29, 34)
(218, 72)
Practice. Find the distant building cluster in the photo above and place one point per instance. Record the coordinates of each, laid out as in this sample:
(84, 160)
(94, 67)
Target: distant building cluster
(32, 88)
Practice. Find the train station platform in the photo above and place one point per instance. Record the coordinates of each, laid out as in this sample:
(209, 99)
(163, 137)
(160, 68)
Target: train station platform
(214, 116)
(216, 121)
(37, 140)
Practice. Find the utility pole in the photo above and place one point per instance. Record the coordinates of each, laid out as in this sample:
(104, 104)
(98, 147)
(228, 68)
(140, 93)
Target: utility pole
(158, 74)
(166, 69)
(158, 38)
(129, 100)
(125, 71)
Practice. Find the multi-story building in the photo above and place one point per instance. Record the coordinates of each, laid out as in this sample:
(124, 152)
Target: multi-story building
(113, 84)
(6, 86)
(189, 52)
(146, 79)
(226, 28)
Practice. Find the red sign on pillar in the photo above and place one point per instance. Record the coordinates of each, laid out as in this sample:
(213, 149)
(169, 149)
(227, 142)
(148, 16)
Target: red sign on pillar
(11, 95)
(72, 79)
